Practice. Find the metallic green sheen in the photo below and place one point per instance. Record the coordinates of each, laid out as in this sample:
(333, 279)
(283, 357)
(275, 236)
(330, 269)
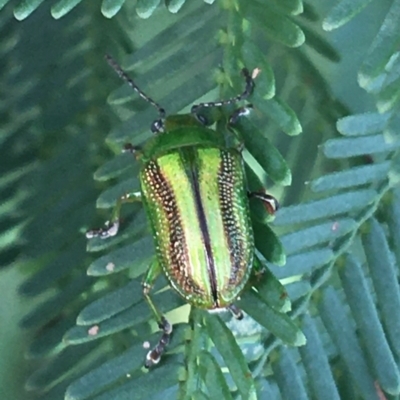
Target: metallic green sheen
(178, 138)
(195, 196)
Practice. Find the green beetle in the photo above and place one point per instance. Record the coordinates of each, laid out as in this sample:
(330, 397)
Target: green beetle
(193, 188)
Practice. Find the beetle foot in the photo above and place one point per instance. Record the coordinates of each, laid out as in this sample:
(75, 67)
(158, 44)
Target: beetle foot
(153, 356)
(110, 229)
(270, 202)
(236, 311)
(158, 126)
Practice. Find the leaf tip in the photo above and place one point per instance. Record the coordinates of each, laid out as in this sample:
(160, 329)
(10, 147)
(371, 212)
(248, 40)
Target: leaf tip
(329, 25)
(363, 80)
(301, 38)
(300, 339)
(287, 179)
(280, 261)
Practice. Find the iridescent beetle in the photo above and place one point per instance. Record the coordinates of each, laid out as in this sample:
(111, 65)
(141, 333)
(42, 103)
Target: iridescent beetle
(193, 188)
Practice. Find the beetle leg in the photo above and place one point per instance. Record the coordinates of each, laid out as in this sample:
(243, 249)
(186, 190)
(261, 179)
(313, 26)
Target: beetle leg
(258, 268)
(270, 202)
(154, 355)
(236, 311)
(111, 227)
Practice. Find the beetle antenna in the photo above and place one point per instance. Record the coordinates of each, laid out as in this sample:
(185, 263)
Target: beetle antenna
(122, 74)
(246, 93)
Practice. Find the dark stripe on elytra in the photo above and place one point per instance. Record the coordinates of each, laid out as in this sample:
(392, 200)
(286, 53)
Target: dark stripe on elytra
(226, 183)
(192, 172)
(177, 243)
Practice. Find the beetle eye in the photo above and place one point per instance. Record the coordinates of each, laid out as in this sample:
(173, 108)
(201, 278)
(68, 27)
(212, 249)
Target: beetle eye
(239, 113)
(202, 119)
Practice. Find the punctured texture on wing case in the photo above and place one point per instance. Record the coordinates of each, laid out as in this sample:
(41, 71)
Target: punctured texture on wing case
(196, 200)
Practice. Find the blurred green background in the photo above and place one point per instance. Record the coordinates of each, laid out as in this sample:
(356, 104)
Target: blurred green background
(57, 130)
